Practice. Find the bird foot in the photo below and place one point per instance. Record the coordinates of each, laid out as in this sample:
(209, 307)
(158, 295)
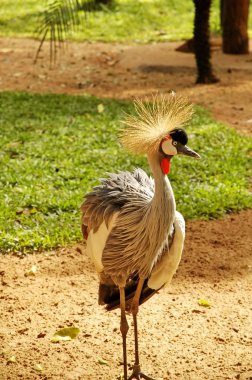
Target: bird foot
(138, 375)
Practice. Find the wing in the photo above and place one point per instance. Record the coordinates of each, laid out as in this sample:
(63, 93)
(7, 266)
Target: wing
(102, 206)
(112, 194)
(160, 277)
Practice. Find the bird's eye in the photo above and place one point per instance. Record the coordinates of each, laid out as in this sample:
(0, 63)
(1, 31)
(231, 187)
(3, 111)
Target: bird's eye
(174, 143)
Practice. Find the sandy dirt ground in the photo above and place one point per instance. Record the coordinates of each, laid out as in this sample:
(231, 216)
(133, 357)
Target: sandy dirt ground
(179, 339)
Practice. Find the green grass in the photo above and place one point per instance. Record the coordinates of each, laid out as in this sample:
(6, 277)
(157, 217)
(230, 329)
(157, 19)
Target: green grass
(55, 147)
(125, 21)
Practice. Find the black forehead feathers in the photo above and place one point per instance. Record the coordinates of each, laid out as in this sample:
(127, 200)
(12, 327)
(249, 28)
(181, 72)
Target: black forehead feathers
(179, 135)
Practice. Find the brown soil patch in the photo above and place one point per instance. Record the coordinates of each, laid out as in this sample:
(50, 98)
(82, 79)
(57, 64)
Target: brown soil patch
(178, 338)
(121, 71)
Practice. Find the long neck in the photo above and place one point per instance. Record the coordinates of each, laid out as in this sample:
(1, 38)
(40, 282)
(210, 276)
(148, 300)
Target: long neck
(163, 204)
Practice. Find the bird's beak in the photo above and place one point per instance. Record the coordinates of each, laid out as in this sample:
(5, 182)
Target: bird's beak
(183, 149)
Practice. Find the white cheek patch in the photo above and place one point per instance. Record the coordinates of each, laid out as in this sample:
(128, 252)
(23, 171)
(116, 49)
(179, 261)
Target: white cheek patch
(168, 148)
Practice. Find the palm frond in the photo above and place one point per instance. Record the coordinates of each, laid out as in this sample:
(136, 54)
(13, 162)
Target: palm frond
(59, 19)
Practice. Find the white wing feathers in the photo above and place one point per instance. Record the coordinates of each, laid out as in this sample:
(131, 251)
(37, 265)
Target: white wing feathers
(97, 240)
(163, 272)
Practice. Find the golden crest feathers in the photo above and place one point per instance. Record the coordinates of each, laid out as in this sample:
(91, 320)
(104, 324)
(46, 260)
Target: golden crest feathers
(153, 121)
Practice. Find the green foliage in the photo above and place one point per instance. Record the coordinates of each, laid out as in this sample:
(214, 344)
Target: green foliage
(53, 149)
(123, 21)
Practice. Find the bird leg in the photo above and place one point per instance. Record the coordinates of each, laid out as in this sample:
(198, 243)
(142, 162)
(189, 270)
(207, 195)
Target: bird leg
(137, 374)
(124, 327)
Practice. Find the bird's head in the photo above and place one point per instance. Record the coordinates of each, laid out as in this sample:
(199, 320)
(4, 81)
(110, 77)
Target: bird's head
(172, 144)
(156, 129)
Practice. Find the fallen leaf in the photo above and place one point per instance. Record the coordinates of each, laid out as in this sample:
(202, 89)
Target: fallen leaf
(102, 361)
(67, 333)
(32, 271)
(100, 108)
(204, 303)
(11, 359)
(38, 367)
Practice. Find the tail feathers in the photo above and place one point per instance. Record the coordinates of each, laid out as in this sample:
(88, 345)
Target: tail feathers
(110, 295)
(106, 292)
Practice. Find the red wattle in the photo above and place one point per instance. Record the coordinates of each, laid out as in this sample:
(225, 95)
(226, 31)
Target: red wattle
(165, 165)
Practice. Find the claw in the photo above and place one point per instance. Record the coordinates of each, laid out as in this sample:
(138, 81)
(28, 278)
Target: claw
(138, 375)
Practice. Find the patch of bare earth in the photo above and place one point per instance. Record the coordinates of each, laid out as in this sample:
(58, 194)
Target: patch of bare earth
(122, 71)
(178, 338)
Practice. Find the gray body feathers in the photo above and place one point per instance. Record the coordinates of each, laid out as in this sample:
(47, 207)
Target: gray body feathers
(143, 225)
(113, 194)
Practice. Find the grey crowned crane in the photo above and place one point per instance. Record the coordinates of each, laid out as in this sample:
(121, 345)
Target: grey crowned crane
(133, 232)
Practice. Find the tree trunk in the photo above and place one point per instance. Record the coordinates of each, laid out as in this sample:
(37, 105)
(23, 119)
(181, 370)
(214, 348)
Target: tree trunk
(235, 26)
(202, 42)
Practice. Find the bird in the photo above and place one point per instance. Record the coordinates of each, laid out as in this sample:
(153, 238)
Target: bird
(134, 234)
